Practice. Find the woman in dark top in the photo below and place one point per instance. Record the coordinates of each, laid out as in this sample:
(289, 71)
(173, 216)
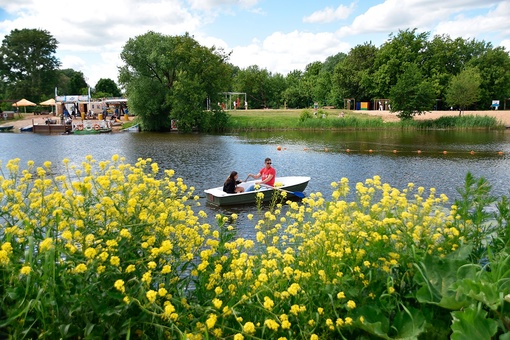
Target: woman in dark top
(230, 185)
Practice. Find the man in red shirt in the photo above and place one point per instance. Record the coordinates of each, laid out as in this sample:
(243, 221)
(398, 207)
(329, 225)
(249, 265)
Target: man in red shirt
(267, 174)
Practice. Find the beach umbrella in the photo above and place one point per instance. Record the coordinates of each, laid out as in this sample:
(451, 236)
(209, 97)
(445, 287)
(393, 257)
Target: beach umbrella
(24, 103)
(50, 102)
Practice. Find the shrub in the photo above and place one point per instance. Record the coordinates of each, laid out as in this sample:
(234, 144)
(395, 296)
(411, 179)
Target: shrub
(305, 115)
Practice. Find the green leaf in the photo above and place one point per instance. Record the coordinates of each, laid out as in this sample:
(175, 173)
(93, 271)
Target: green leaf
(472, 324)
(409, 323)
(437, 277)
(375, 322)
(482, 291)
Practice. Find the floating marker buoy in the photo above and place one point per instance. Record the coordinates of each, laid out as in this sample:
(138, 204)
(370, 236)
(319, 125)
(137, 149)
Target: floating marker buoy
(472, 152)
(326, 149)
(370, 151)
(500, 152)
(445, 152)
(394, 151)
(305, 149)
(348, 150)
(278, 148)
(419, 151)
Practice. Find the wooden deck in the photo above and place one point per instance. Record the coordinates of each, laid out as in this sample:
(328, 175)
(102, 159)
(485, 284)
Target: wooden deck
(52, 128)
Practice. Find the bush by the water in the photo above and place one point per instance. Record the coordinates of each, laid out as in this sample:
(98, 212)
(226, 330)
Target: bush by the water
(112, 250)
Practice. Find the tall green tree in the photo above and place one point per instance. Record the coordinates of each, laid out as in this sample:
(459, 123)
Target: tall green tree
(404, 48)
(494, 68)
(464, 88)
(352, 75)
(412, 94)
(295, 95)
(309, 83)
(29, 66)
(107, 87)
(254, 81)
(327, 84)
(276, 86)
(173, 77)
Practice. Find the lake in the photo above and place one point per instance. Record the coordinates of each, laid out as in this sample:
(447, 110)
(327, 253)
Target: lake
(438, 159)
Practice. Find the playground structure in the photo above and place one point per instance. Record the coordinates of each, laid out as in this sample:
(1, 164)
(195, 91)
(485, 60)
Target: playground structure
(237, 102)
(381, 104)
(349, 103)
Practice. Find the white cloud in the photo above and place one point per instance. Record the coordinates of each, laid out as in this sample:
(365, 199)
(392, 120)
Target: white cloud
(506, 44)
(215, 4)
(91, 35)
(330, 14)
(283, 53)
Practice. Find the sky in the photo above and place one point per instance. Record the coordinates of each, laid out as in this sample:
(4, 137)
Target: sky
(277, 35)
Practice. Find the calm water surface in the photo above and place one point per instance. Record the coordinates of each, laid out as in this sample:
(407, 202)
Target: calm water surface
(204, 161)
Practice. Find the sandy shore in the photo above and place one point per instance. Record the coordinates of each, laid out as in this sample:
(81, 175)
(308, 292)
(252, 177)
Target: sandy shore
(503, 116)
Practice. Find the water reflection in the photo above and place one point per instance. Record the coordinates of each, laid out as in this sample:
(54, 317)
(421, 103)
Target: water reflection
(205, 161)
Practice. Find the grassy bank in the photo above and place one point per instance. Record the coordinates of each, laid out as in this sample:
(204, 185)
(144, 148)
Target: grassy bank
(344, 119)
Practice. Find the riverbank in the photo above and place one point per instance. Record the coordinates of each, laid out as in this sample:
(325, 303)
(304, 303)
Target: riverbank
(387, 116)
(31, 119)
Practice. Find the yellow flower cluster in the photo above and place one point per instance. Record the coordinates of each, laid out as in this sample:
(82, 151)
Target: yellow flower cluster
(132, 231)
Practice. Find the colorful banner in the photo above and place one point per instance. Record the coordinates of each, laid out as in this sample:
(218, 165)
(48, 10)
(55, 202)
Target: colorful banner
(73, 98)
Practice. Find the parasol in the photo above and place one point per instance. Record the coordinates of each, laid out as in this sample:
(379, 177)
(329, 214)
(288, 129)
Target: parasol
(50, 102)
(23, 102)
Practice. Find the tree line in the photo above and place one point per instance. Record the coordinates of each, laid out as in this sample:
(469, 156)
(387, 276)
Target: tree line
(175, 78)
(29, 69)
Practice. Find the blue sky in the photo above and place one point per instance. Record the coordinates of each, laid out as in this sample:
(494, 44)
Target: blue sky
(278, 35)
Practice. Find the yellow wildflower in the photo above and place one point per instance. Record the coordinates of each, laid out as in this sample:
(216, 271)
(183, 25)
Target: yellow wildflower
(271, 324)
(211, 321)
(249, 328)
(351, 304)
(81, 268)
(119, 285)
(25, 270)
(217, 303)
(151, 295)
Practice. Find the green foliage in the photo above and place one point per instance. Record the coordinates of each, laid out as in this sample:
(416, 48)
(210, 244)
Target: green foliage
(107, 88)
(31, 77)
(305, 115)
(394, 56)
(71, 82)
(494, 68)
(458, 122)
(169, 77)
(353, 74)
(412, 95)
(464, 88)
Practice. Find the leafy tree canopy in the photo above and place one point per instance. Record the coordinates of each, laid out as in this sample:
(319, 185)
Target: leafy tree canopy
(173, 77)
(33, 77)
(412, 94)
(464, 88)
(108, 88)
(71, 82)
